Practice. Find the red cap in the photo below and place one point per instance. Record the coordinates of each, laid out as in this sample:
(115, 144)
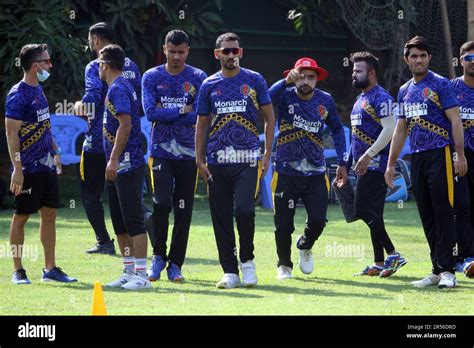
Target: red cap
(308, 63)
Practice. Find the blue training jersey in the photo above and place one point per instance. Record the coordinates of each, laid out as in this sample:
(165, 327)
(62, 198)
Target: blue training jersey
(300, 147)
(233, 104)
(28, 104)
(122, 99)
(422, 104)
(163, 96)
(465, 95)
(94, 97)
(366, 113)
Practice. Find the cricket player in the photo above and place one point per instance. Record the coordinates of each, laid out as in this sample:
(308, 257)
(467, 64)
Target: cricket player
(125, 168)
(464, 186)
(303, 110)
(372, 124)
(429, 115)
(35, 162)
(228, 105)
(169, 100)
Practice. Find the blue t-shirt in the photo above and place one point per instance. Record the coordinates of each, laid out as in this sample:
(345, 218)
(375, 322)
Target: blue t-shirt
(368, 109)
(465, 95)
(423, 104)
(233, 104)
(96, 90)
(300, 147)
(28, 104)
(122, 99)
(172, 133)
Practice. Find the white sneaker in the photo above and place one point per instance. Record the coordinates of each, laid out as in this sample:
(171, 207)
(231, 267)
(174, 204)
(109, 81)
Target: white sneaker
(430, 280)
(284, 272)
(124, 278)
(249, 277)
(137, 282)
(229, 281)
(306, 262)
(447, 280)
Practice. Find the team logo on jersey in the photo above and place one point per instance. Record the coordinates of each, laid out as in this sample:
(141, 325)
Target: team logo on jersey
(322, 111)
(426, 92)
(245, 89)
(363, 104)
(188, 88)
(216, 93)
(461, 96)
(163, 86)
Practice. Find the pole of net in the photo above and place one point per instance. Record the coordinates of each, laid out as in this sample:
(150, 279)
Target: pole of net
(447, 38)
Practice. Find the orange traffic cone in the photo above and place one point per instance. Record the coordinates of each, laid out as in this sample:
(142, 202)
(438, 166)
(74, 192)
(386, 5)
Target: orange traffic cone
(98, 303)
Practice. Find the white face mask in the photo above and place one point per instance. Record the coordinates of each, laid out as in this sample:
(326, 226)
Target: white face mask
(43, 75)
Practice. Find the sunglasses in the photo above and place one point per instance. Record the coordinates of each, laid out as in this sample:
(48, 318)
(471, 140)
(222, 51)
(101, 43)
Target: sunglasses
(468, 57)
(47, 61)
(227, 51)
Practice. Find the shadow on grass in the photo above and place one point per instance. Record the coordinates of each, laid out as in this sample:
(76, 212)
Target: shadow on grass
(198, 261)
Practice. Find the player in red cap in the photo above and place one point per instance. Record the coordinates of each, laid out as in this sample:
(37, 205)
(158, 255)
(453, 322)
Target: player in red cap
(300, 164)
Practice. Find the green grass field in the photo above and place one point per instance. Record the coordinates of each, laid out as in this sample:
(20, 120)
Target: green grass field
(342, 250)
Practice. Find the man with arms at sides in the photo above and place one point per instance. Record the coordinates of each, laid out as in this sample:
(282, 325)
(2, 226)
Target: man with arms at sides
(228, 106)
(93, 162)
(429, 113)
(35, 160)
(169, 99)
(300, 164)
(372, 123)
(464, 185)
(125, 168)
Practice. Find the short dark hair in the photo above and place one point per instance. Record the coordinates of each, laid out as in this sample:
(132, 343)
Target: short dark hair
(371, 60)
(177, 37)
(30, 53)
(115, 55)
(227, 37)
(416, 42)
(102, 30)
(467, 46)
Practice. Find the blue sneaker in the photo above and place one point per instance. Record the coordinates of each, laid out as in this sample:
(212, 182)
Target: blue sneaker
(19, 277)
(158, 264)
(459, 267)
(174, 273)
(57, 275)
(468, 268)
(392, 264)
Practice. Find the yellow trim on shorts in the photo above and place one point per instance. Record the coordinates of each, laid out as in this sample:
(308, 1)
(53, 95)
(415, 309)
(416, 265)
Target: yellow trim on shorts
(150, 166)
(259, 176)
(81, 167)
(273, 187)
(449, 175)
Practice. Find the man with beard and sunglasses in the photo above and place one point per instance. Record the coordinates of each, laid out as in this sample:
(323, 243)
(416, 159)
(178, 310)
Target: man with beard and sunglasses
(372, 124)
(464, 186)
(300, 165)
(93, 162)
(428, 112)
(228, 106)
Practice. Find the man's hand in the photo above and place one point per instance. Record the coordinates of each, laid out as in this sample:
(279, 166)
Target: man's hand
(187, 108)
(341, 176)
(16, 183)
(111, 170)
(204, 171)
(362, 165)
(390, 176)
(460, 165)
(265, 163)
(294, 76)
(57, 163)
(79, 108)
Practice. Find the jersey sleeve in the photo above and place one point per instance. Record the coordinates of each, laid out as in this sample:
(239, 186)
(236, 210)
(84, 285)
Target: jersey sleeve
(93, 84)
(447, 96)
(263, 97)
(203, 104)
(15, 106)
(337, 131)
(384, 105)
(121, 101)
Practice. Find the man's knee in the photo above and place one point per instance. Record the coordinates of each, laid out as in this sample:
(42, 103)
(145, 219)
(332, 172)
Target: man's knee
(19, 220)
(48, 214)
